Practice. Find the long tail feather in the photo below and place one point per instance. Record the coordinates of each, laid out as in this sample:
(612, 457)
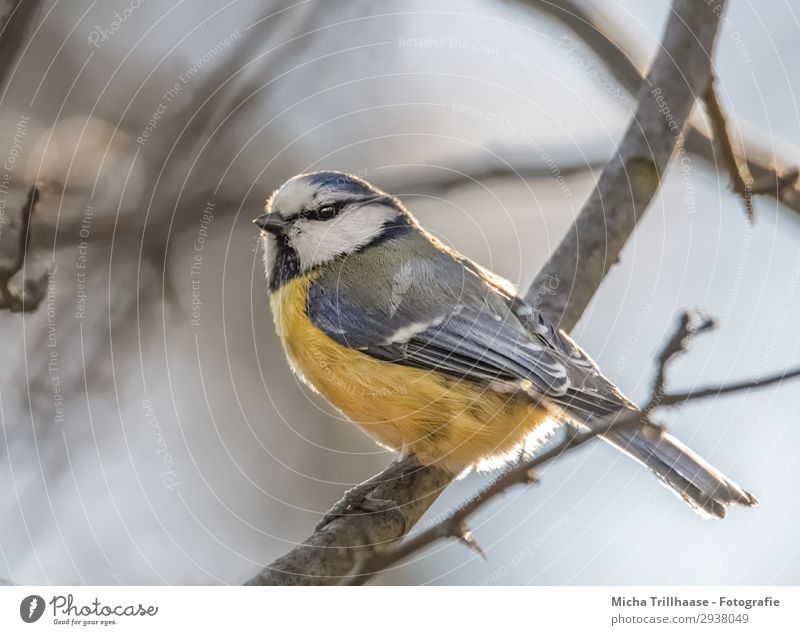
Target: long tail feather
(681, 470)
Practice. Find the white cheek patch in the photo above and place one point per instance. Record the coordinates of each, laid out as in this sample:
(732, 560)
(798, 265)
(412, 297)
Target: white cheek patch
(317, 242)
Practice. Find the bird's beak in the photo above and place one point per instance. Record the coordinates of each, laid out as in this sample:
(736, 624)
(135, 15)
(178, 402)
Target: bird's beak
(271, 223)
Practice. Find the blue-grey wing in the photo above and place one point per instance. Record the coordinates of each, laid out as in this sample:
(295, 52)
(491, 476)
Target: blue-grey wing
(435, 313)
(589, 385)
(471, 344)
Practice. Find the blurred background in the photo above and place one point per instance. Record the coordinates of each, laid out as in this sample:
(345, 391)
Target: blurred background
(152, 432)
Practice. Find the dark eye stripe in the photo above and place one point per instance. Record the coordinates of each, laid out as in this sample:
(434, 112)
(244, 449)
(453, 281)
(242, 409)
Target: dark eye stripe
(325, 212)
(331, 210)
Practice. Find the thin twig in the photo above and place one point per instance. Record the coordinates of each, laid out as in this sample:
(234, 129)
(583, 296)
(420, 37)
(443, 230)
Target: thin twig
(676, 345)
(455, 525)
(11, 301)
(725, 389)
(741, 179)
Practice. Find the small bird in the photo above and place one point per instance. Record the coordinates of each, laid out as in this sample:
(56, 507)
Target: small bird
(430, 353)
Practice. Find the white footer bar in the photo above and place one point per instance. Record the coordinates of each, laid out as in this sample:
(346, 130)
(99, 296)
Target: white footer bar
(406, 610)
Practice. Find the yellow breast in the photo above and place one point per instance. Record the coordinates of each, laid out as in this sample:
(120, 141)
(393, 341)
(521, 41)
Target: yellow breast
(437, 417)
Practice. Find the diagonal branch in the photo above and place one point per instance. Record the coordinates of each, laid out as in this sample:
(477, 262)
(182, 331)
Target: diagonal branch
(681, 70)
(333, 549)
(455, 524)
(680, 73)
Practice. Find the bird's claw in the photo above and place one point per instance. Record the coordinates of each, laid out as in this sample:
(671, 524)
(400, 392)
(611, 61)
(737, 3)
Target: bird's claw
(359, 502)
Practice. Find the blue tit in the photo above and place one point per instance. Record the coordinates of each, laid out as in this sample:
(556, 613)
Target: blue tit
(430, 353)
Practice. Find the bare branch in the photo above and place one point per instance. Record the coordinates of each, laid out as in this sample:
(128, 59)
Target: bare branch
(9, 299)
(680, 71)
(782, 186)
(690, 325)
(14, 25)
(442, 179)
(455, 524)
(741, 179)
(336, 546)
(773, 173)
(608, 40)
(677, 345)
(725, 389)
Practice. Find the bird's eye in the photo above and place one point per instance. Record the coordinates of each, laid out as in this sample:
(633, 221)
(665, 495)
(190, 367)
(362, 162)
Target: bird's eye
(326, 213)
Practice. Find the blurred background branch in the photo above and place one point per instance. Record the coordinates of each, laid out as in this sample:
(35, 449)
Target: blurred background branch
(23, 297)
(16, 17)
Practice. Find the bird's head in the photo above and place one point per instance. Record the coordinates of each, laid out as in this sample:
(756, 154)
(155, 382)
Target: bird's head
(315, 218)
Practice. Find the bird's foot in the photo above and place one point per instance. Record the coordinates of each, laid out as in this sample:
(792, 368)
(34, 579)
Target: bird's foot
(358, 501)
